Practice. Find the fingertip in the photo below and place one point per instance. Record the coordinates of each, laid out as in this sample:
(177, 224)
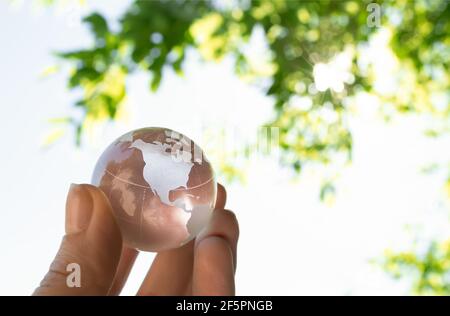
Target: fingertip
(79, 209)
(221, 199)
(92, 242)
(224, 224)
(96, 193)
(213, 272)
(103, 228)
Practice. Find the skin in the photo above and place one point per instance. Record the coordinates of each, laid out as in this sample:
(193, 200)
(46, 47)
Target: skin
(204, 266)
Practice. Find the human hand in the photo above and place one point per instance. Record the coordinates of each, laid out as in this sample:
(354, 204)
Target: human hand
(204, 266)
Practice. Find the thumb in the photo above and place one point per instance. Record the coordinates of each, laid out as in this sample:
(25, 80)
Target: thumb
(89, 253)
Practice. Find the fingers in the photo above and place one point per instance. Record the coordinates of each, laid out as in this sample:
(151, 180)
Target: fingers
(171, 271)
(221, 199)
(215, 256)
(126, 262)
(223, 224)
(213, 269)
(89, 253)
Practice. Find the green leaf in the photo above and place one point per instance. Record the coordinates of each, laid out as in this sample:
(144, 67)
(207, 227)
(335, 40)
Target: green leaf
(156, 81)
(85, 73)
(98, 25)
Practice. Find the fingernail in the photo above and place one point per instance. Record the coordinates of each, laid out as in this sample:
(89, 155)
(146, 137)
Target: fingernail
(79, 207)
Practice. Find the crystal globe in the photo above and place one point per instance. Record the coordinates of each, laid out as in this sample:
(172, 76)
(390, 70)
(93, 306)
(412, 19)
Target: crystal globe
(161, 187)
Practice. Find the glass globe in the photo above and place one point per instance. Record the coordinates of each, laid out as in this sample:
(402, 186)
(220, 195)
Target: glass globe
(161, 187)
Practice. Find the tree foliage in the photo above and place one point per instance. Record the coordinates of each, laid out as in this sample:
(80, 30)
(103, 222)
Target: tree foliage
(155, 35)
(429, 271)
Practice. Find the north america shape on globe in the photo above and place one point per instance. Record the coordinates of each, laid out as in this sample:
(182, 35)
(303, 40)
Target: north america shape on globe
(161, 187)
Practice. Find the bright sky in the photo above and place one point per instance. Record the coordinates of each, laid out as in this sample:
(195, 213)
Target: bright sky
(290, 243)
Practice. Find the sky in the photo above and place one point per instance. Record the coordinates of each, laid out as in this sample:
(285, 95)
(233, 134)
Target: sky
(290, 242)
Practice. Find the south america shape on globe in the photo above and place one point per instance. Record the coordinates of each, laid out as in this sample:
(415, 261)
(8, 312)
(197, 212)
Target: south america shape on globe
(157, 164)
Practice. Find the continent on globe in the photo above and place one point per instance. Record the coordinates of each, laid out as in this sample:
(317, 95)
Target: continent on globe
(162, 172)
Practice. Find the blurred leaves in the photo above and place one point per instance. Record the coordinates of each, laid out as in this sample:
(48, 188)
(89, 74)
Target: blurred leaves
(98, 25)
(429, 271)
(153, 35)
(48, 71)
(327, 192)
(55, 134)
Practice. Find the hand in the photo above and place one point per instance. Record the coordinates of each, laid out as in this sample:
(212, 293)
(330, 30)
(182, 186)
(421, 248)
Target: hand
(204, 266)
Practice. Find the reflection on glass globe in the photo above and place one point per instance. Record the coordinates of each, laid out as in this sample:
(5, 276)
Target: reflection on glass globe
(160, 185)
